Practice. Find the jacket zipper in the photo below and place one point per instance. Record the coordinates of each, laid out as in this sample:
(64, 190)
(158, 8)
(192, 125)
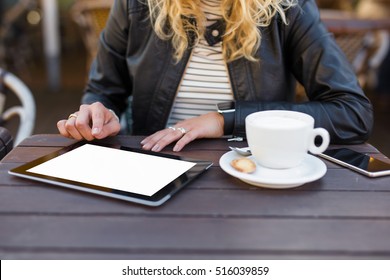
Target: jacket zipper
(234, 138)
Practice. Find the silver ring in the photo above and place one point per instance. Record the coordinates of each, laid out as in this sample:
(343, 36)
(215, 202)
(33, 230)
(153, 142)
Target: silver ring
(173, 128)
(182, 130)
(74, 115)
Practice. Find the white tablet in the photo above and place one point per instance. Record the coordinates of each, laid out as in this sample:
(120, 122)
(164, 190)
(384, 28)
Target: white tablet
(124, 173)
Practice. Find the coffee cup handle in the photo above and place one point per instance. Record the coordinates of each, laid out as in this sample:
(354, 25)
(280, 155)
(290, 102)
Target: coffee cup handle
(324, 134)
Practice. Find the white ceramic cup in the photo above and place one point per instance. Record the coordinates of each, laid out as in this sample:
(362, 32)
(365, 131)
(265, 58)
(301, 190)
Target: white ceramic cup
(281, 139)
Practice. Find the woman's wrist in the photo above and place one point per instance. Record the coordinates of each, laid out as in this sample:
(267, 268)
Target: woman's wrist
(227, 120)
(227, 111)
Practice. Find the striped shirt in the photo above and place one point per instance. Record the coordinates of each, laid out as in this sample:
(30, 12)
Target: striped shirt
(205, 81)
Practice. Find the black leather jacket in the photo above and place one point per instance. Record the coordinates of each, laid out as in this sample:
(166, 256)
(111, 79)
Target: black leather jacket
(132, 61)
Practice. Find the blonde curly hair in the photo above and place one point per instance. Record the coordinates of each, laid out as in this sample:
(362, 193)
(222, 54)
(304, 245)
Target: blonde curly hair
(243, 18)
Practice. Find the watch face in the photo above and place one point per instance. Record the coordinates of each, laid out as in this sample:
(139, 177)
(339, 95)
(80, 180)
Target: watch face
(226, 107)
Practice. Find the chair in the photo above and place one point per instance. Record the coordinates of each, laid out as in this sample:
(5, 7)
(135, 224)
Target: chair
(10, 84)
(365, 42)
(17, 34)
(91, 17)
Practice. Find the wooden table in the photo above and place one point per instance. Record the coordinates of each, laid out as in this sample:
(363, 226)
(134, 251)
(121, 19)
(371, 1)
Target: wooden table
(344, 215)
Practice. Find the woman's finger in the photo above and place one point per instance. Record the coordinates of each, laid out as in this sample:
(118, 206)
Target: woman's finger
(62, 129)
(183, 141)
(70, 126)
(159, 140)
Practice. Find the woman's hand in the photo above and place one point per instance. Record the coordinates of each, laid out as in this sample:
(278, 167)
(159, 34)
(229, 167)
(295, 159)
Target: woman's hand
(209, 125)
(93, 121)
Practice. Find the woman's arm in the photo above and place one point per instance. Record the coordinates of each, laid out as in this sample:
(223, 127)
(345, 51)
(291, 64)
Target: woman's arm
(109, 81)
(335, 99)
(108, 86)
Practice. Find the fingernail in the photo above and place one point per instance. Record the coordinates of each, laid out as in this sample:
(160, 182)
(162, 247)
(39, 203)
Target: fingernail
(156, 148)
(95, 131)
(176, 149)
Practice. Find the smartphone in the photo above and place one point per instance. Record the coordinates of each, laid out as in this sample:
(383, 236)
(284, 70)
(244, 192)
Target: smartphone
(358, 162)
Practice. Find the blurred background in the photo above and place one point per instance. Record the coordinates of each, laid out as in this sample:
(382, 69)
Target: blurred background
(48, 45)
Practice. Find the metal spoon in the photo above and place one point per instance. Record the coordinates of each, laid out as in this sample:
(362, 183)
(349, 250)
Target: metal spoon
(241, 151)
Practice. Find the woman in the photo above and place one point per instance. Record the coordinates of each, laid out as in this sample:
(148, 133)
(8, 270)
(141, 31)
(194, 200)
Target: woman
(178, 58)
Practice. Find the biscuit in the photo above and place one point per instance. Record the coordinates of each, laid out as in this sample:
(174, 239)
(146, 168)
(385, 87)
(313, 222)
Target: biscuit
(243, 165)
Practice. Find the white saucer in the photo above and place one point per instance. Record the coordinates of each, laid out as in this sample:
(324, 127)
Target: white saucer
(311, 169)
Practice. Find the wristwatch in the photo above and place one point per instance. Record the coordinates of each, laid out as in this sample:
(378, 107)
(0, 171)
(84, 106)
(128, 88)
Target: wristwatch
(227, 110)
(226, 107)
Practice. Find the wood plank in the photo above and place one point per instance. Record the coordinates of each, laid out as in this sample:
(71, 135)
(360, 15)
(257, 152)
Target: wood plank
(55, 140)
(46, 140)
(196, 235)
(338, 178)
(206, 149)
(126, 254)
(27, 154)
(202, 202)
(221, 144)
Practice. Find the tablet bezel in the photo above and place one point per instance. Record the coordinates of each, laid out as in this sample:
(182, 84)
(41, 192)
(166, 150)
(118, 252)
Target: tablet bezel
(157, 199)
